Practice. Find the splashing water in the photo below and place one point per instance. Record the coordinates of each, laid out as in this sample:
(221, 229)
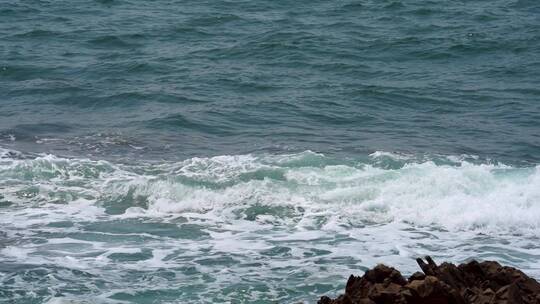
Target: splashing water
(251, 227)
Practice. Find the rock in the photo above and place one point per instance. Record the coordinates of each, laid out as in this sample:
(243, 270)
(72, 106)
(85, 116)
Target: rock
(382, 272)
(416, 276)
(470, 283)
(390, 293)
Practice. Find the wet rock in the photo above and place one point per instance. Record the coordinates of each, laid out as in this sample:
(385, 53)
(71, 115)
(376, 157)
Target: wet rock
(470, 283)
(381, 273)
(416, 276)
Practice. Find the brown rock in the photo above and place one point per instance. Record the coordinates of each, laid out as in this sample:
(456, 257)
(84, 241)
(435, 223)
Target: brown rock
(429, 290)
(470, 283)
(382, 272)
(416, 276)
(385, 294)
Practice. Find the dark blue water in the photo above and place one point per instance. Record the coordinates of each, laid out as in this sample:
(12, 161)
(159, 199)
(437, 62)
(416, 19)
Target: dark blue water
(188, 78)
(261, 151)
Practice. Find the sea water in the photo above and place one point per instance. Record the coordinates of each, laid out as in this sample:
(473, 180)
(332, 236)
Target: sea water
(261, 151)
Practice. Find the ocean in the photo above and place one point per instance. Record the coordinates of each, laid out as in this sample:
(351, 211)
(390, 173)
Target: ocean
(234, 151)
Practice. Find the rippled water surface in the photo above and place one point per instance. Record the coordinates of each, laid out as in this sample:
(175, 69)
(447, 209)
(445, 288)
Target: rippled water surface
(261, 151)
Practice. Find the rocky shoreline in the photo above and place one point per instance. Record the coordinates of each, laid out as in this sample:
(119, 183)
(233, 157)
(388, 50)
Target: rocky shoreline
(470, 283)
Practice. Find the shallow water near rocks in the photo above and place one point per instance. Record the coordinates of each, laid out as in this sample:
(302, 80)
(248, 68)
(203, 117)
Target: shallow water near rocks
(251, 228)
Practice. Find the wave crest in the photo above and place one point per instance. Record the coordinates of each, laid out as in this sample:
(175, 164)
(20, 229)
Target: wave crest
(306, 190)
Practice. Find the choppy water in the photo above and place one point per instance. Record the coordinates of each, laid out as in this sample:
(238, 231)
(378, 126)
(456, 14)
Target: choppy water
(261, 151)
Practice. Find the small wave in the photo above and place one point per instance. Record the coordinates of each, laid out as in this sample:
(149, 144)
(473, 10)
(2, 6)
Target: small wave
(10, 154)
(456, 195)
(179, 122)
(112, 41)
(37, 33)
(212, 20)
(92, 221)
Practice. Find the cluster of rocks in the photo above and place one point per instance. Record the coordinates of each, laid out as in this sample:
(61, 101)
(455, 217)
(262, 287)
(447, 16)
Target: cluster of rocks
(470, 283)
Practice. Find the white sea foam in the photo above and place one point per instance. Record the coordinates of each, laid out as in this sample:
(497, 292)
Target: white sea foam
(457, 197)
(393, 155)
(268, 216)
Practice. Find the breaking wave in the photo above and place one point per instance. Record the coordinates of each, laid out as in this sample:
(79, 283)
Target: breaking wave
(249, 220)
(305, 190)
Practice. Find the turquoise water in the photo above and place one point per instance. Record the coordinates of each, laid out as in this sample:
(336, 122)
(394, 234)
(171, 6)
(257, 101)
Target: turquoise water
(261, 151)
